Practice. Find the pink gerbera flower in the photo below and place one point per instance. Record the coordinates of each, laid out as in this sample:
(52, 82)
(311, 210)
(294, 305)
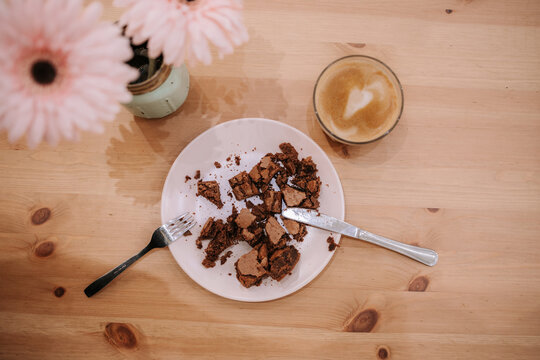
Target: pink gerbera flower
(181, 29)
(61, 69)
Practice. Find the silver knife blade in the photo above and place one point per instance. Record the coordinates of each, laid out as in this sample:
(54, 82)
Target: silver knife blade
(314, 218)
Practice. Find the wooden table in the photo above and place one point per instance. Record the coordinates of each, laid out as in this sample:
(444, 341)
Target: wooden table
(460, 174)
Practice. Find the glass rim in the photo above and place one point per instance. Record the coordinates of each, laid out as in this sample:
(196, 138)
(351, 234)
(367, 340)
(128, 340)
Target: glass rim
(331, 133)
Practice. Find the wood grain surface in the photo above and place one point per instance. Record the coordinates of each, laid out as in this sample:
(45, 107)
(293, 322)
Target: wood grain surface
(460, 174)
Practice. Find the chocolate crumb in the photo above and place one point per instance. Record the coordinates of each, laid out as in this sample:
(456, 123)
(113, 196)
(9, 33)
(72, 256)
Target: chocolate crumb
(217, 165)
(331, 244)
(197, 175)
(237, 160)
(188, 233)
(188, 178)
(223, 258)
(229, 158)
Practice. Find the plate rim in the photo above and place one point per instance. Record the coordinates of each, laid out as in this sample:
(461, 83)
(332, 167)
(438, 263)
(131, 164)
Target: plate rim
(337, 237)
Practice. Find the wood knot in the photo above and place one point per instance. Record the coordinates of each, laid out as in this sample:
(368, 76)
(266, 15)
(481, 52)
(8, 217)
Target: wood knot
(44, 249)
(433, 210)
(121, 335)
(40, 216)
(419, 284)
(383, 352)
(59, 291)
(449, 11)
(363, 322)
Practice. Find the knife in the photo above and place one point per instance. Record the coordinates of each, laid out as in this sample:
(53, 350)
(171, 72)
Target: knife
(314, 218)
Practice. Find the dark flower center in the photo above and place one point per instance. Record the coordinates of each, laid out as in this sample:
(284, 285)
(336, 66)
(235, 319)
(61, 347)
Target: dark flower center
(43, 72)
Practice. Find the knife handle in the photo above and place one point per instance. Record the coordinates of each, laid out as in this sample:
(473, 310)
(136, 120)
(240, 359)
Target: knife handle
(425, 256)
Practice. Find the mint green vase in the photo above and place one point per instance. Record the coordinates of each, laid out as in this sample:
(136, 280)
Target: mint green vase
(161, 95)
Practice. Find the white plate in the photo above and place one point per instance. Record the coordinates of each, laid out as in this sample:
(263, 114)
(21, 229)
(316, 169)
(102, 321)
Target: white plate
(251, 139)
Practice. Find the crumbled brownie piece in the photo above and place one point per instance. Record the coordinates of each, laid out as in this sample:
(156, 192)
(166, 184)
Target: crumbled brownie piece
(245, 218)
(288, 157)
(282, 179)
(198, 243)
(197, 175)
(229, 194)
(229, 158)
(289, 150)
(209, 229)
(247, 235)
(260, 212)
(216, 246)
(331, 244)
(272, 201)
(253, 236)
(188, 233)
(296, 229)
(283, 261)
(264, 171)
(274, 231)
(237, 160)
(249, 270)
(242, 186)
(208, 263)
(223, 258)
(310, 203)
(306, 179)
(217, 165)
(187, 178)
(263, 255)
(292, 196)
(210, 191)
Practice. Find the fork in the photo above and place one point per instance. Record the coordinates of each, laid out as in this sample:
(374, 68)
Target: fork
(163, 236)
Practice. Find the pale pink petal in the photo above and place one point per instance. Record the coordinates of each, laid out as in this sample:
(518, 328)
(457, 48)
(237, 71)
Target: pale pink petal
(71, 38)
(216, 21)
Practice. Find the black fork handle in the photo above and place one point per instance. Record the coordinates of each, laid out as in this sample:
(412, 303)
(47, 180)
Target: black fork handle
(103, 281)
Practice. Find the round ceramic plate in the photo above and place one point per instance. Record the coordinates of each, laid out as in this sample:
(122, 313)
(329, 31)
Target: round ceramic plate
(250, 139)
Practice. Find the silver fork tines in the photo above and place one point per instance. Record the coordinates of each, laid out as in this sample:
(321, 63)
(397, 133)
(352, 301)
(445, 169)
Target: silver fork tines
(176, 227)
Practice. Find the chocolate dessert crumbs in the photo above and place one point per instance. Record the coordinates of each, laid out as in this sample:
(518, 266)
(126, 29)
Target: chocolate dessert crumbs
(331, 244)
(187, 178)
(223, 258)
(188, 233)
(197, 175)
(217, 165)
(272, 255)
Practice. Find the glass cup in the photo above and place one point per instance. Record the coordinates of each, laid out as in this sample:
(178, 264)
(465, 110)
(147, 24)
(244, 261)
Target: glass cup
(379, 68)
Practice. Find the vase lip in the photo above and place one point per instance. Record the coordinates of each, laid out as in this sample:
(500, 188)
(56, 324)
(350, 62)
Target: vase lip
(153, 82)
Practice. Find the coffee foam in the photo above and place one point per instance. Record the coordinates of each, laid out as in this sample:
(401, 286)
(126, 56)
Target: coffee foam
(358, 99)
